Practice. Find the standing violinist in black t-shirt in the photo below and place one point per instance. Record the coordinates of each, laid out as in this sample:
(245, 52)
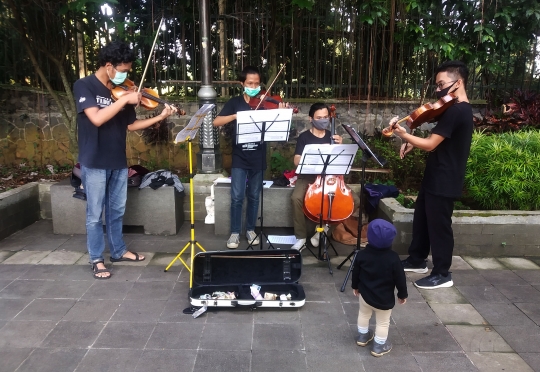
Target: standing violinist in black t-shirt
(448, 146)
(102, 126)
(248, 160)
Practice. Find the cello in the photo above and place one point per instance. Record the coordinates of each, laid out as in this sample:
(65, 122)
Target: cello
(329, 200)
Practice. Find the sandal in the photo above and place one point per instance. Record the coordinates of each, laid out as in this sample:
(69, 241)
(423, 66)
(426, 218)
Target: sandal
(136, 259)
(97, 271)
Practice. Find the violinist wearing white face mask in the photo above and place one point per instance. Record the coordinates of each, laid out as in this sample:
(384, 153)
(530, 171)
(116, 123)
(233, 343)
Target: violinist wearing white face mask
(319, 117)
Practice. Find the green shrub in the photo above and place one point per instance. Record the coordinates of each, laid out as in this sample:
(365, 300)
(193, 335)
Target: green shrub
(503, 170)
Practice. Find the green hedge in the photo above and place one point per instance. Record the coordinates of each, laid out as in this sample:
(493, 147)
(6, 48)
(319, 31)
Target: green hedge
(503, 170)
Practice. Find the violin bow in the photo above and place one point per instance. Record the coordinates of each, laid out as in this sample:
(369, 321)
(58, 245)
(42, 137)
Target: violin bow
(272, 83)
(150, 56)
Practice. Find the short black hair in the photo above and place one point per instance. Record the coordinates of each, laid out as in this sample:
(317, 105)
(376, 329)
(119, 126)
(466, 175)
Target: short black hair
(248, 70)
(457, 69)
(116, 52)
(316, 107)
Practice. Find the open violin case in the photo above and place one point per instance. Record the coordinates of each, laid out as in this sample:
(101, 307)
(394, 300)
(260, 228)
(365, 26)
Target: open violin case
(234, 272)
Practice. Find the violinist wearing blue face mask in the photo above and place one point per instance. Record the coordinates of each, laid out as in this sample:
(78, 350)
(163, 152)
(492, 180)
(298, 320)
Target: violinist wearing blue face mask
(102, 128)
(248, 161)
(319, 133)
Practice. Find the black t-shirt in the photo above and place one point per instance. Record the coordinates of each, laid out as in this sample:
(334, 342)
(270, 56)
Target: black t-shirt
(445, 166)
(308, 138)
(101, 147)
(251, 155)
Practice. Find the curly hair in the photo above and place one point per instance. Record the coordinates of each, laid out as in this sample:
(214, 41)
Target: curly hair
(116, 52)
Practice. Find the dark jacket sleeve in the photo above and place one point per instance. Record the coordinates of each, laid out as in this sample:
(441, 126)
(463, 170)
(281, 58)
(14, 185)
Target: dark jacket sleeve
(400, 280)
(355, 279)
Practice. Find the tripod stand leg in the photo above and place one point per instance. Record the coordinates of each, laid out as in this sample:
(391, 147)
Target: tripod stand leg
(348, 271)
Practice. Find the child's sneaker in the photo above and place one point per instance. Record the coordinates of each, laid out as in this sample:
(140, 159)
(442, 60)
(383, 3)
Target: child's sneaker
(364, 338)
(381, 349)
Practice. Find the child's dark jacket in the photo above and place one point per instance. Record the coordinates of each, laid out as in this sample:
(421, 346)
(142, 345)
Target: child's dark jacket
(376, 273)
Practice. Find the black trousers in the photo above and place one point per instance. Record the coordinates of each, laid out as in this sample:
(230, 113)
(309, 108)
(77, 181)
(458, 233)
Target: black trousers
(432, 228)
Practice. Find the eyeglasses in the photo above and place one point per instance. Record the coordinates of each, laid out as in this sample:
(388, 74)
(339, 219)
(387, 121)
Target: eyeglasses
(441, 85)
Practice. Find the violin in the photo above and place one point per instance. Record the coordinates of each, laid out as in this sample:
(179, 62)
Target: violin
(329, 198)
(424, 114)
(268, 102)
(150, 98)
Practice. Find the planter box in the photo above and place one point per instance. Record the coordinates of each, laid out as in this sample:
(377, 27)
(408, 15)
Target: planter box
(476, 233)
(19, 208)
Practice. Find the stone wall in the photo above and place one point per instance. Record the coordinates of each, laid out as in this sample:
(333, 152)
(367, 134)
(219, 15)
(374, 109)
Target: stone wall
(33, 131)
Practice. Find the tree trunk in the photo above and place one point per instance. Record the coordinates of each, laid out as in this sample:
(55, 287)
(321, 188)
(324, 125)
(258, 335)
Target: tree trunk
(80, 50)
(222, 46)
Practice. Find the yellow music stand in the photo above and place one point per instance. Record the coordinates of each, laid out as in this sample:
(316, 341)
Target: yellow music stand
(187, 134)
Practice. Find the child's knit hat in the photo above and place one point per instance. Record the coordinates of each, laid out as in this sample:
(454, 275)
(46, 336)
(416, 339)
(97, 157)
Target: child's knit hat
(381, 233)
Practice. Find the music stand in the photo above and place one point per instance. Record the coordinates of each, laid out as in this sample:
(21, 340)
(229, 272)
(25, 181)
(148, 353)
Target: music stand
(323, 159)
(188, 133)
(262, 126)
(366, 154)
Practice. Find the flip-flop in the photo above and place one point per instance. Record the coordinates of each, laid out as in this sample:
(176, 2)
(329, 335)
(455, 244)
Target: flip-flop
(136, 259)
(96, 271)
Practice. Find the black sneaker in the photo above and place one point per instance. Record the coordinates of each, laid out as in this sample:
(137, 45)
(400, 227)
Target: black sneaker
(420, 269)
(364, 338)
(381, 349)
(435, 281)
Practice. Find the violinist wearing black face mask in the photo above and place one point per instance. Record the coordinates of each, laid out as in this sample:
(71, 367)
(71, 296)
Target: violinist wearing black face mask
(449, 145)
(319, 117)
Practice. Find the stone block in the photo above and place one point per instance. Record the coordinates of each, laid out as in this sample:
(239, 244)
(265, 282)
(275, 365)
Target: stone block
(19, 208)
(159, 211)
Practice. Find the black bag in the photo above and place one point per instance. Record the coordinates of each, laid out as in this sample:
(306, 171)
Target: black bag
(135, 175)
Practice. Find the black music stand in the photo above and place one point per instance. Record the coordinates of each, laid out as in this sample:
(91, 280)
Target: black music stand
(322, 160)
(366, 155)
(263, 126)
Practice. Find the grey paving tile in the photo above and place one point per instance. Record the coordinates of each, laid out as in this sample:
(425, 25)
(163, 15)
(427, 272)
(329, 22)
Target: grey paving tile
(278, 360)
(532, 359)
(329, 337)
(443, 296)
(277, 337)
(77, 272)
(92, 310)
(65, 288)
(530, 276)
(166, 361)
(469, 278)
(502, 277)
(4, 255)
(144, 311)
(126, 273)
(323, 313)
(46, 309)
(520, 293)
(321, 292)
(491, 362)
(484, 263)
(125, 335)
(428, 338)
(457, 314)
(414, 293)
(46, 243)
(316, 274)
(482, 294)
(14, 244)
(156, 273)
(43, 272)
(150, 291)
(321, 362)
(222, 360)
(229, 315)
(227, 336)
(158, 245)
(107, 290)
(5, 283)
(172, 312)
(518, 263)
(399, 359)
(10, 272)
(75, 243)
(26, 257)
(12, 358)
(277, 316)
(73, 335)
(414, 314)
(503, 314)
(9, 307)
(52, 360)
(24, 334)
(176, 336)
(479, 338)
(110, 360)
(442, 362)
(522, 339)
(532, 310)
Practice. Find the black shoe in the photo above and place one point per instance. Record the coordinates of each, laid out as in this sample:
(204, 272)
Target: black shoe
(364, 338)
(420, 269)
(381, 349)
(435, 281)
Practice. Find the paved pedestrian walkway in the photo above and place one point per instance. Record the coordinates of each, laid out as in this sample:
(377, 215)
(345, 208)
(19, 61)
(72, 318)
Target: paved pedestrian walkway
(55, 317)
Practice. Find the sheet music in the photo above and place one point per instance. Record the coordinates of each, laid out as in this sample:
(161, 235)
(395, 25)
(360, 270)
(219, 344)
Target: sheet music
(249, 125)
(315, 155)
(194, 123)
(281, 239)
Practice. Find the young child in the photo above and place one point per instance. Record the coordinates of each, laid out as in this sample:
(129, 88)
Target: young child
(377, 271)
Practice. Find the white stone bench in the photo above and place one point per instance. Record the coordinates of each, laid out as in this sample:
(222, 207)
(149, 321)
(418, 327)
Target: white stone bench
(159, 212)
